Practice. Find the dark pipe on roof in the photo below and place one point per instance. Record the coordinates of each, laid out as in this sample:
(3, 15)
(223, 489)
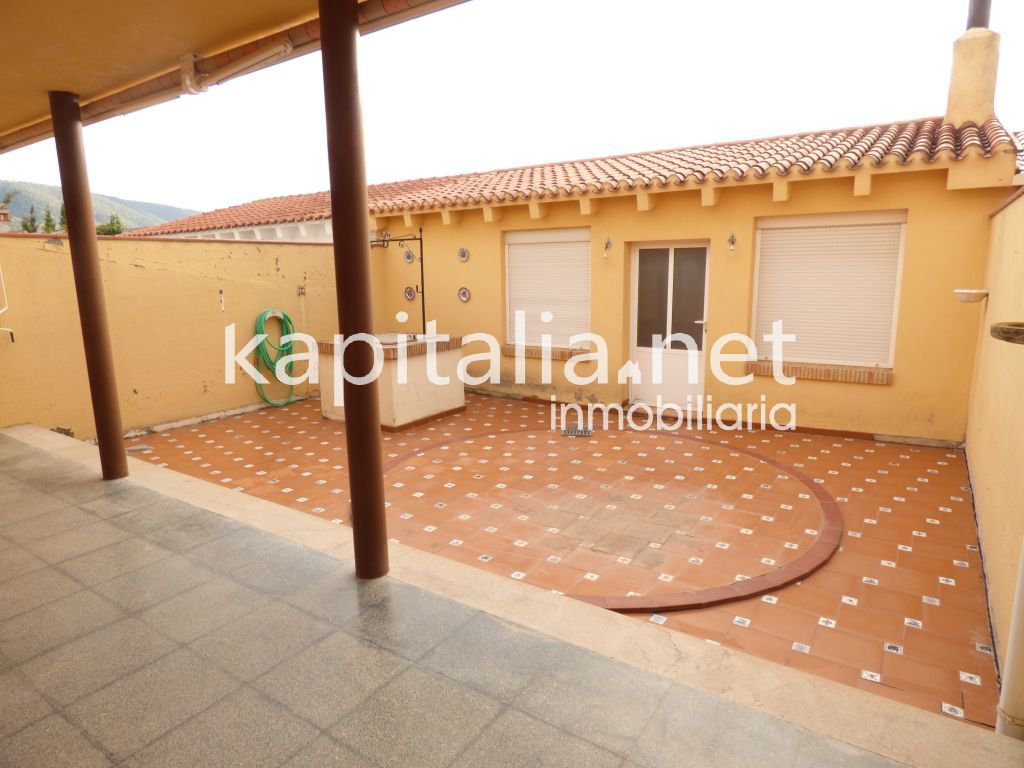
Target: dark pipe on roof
(979, 13)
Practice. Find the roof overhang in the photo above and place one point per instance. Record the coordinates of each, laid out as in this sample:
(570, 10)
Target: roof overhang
(120, 57)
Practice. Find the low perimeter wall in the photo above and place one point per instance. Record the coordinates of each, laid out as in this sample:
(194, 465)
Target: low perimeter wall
(168, 302)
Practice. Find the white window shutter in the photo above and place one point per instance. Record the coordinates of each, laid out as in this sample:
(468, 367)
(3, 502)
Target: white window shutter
(835, 287)
(549, 277)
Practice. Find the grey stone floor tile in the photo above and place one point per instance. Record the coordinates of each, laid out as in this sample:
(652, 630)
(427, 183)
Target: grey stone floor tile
(337, 597)
(291, 567)
(516, 740)
(48, 626)
(238, 549)
(418, 720)
(48, 524)
(132, 712)
(153, 517)
(684, 723)
(259, 641)
(192, 531)
(154, 583)
(64, 546)
(592, 697)
(17, 561)
(190, 615)
(82, 666)
(80, 487)
(715, 733)
(748, 738)
(19, 501)
(127, 499)
(48, 473)
(20, 704)
(816, 751)
(327, 753)
(491, 656)
(576, 753)
(112, 561)
(407, 620)
(51, 743)
(243, 730)
(328, 679)
(36, 588)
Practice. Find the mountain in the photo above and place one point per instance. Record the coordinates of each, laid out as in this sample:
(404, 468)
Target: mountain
(134, 213)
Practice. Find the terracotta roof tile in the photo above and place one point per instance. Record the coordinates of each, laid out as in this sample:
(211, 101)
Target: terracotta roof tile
(915, 141)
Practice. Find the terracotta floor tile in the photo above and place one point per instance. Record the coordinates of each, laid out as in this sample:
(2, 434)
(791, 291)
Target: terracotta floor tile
(856, 651)
(757, 643)
(913, 675)
(980, 705)
(495, 479)
(811, 662)
(785, 622)
(878, 626)
(709, 623)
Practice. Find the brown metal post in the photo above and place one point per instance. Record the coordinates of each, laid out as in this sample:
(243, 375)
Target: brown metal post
(339, 28)
(85, 264)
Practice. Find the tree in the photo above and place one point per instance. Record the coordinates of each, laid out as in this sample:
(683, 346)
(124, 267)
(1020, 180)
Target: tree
(62, 223)
(11, 194)
(30, 223)
(114, 226)
(49, 225)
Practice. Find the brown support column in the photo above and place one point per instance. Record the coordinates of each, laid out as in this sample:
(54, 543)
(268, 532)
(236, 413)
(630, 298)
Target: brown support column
(339, 28)
(85, 263)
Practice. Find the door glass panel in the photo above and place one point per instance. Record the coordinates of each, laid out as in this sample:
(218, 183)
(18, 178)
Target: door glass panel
(651, 295)
(689, 269)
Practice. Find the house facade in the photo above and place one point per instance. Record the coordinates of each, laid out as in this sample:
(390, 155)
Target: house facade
(292, 218)
(860, 262)
(855, 239)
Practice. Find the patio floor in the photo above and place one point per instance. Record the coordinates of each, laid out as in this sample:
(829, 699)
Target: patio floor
(137, 629)
(900, 609)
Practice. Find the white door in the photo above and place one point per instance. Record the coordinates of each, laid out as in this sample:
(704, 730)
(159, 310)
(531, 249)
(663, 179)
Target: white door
(669, 301)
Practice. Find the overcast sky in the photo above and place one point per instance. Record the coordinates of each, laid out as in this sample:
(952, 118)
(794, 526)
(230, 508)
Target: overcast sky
(498, 83)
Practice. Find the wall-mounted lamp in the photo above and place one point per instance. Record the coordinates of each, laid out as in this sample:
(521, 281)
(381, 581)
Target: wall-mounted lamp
(607, 247)
(732, 243)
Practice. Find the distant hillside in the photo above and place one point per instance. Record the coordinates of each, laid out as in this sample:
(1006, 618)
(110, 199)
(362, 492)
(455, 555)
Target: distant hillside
(133, 213)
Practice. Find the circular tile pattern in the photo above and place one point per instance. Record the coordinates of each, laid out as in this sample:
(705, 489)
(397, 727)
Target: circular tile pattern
(658, 521)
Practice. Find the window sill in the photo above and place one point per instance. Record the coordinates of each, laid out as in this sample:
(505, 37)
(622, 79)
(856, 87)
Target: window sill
(851, 374)
(535, 353)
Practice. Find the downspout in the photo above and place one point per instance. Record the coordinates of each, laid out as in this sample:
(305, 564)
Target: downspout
(1010, 711)
(194, 82)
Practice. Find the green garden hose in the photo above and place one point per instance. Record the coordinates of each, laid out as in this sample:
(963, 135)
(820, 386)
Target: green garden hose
(268, 353)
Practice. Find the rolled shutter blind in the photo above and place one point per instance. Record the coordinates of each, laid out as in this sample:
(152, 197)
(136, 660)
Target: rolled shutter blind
(551, 277)
(835, 287)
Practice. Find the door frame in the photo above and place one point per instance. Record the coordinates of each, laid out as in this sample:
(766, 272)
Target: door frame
(634, 274)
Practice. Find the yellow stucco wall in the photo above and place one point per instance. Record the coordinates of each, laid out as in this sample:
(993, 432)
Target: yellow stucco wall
(159, 291)
(167, 325)
(946, 242)
(995, 433)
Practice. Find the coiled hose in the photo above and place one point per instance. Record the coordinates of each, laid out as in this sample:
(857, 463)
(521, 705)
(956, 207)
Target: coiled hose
(268, 353)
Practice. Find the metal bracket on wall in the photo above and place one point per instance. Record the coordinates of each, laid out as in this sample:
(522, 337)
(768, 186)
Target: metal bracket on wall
(6, 304)
(384, 240)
